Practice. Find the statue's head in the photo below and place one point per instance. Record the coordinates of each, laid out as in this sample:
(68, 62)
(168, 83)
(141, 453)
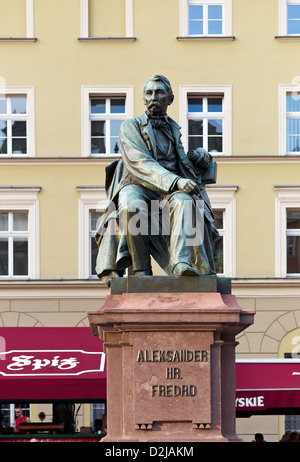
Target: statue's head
(158, 95)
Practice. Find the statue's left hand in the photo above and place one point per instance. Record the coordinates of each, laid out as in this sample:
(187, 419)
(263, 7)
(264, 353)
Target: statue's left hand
(188, 186)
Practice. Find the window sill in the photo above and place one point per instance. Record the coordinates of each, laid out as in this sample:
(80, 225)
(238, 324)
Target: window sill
(18, 39)
(211, 38)
(288, 38)
(107, 39)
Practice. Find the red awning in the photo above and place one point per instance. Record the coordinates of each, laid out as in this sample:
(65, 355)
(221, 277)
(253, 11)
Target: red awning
(47, 364)
(267, 385)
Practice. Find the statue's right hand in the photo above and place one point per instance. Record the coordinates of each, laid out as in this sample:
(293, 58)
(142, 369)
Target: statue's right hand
(188, 186)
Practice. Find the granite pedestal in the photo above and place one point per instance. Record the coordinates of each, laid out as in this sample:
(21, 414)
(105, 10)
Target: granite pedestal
(170, 346)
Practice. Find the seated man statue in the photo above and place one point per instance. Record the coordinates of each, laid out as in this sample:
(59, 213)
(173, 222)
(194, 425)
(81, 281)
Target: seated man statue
(153, 180)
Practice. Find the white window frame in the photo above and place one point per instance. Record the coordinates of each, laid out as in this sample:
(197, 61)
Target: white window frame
(207, 90)
(84, 19)
(284, 89)
(223, 198)
(25, 199)
(287, 197)
(283, 19)
(90, 198)
(102, 91)
(30, 116)
(227, 17)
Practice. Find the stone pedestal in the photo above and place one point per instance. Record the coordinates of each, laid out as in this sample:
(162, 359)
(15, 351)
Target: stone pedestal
(170, 359)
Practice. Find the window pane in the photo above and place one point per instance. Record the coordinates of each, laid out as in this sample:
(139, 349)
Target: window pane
(94, 219)
(117, 106)
(196, 28)
(215, 104)
(215, 127)
(115, 127)
(293, 11)
(217, 248)
(293, 126)
(215, 144)
(98, 146)
(293, 27)
(293, 102)
(3, 146)
(3, 105)
(293, 218)
(20, 252)
(195, 127)
(20, 221)
(293, 254)
(19, 128)
(3, 257)
(196, 12)
(94, 252)
(195, 104)
(4, 221)
(214, 12)
(114, 145)
(293, 144)
(3, 128)
(215, 27)
(218, 216)
(195, 142)
(19, 146)
(98, 106)
(18, 105)
(98, 128)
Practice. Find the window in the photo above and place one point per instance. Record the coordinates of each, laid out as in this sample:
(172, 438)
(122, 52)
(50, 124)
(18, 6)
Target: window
(104, 20)
(223, 202)
(292, 123)
(287, 237)
(289, 19)
(218, 244)
(106, 116)
(292, 241)
(289, 119)
(205, 118)
(104, 109)
(206, 18)
(14, 243)
(19, 233)
(92, 201)
(17, 122)
(17, 20)
(94, 220)
(13, 125)
(205, 123)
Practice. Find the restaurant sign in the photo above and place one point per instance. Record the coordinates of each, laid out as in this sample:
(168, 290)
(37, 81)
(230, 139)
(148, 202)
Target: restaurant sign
(50, 362)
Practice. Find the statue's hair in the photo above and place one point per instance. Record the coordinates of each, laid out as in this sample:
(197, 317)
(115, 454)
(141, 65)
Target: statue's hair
(166, 82)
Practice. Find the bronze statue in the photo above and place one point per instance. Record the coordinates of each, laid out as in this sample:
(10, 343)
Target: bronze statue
(156, 178)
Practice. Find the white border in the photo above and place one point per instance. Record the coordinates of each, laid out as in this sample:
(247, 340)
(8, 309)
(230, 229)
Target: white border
(288, 196)
(89, 199)
(29, 18)
(223, 197)
(86, 92)
(226, 90)
(18, 198)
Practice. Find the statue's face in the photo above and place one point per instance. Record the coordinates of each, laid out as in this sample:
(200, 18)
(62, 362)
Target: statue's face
(156, 98)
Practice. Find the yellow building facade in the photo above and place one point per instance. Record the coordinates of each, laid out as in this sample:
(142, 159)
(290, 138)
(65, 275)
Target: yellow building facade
(71, 71)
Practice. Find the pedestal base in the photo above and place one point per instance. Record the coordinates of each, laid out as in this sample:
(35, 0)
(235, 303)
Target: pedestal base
(170, 365)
